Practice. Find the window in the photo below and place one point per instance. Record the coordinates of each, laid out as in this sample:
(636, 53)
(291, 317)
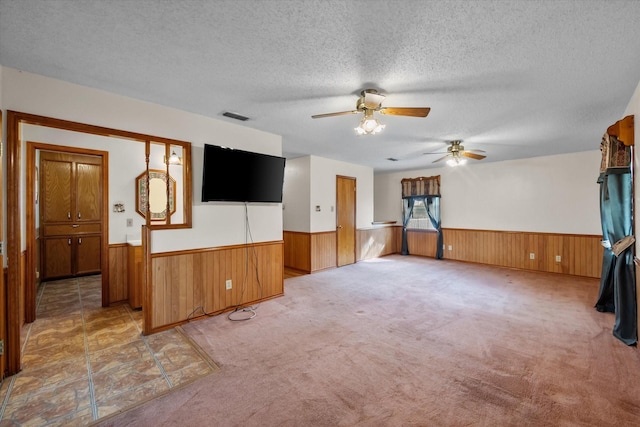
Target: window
(419, 218)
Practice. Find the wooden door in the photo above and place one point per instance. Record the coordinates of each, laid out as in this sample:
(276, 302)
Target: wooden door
(55, 191)
(88, 191)
(345, 220)
(70, 214)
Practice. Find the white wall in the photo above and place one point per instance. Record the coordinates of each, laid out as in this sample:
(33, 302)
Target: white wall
(296, 197)
(311, 181)
(323, 193)
(553, 194)
(213, 224)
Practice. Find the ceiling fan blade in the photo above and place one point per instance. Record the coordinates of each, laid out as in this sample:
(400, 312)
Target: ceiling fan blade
(435, 152)
(472, 155)
(373, 100)
(473, 150)
(400, 111)
(341, 113)
(440, 159)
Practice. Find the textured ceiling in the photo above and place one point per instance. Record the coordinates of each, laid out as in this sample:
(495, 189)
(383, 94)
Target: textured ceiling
(515, 78)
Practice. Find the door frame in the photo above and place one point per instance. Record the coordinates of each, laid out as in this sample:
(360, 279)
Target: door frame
(30, 274)
(14, 121)
(355, 217)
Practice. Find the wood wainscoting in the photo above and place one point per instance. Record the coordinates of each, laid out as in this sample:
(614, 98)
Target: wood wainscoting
(580, 254)
(188, 284)
(378, 241)
(311, 252)
(118, 273)
(297, 250)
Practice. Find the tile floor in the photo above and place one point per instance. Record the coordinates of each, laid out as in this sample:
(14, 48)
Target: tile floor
(82, 362)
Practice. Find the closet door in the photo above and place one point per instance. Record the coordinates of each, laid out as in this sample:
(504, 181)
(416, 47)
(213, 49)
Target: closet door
(87, 253)
(88, 197)
(55, 190)
(57, 262)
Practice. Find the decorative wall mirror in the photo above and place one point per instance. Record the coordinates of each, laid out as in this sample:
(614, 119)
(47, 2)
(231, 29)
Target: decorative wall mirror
(157, 195)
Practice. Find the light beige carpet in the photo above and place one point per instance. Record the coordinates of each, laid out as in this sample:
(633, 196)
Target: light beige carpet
(403, 341)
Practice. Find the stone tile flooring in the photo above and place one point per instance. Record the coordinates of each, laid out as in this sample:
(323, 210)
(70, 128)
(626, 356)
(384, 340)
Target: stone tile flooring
(82, 362)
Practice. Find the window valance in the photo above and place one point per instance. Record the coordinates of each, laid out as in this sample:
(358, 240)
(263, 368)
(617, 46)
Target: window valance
(421, 186)
(615, 146)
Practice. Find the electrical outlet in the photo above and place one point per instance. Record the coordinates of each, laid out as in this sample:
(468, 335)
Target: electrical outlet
(229, 284)
(129, 222)
(450, 247)
(444, 247)
(558, 258)
(532, 256)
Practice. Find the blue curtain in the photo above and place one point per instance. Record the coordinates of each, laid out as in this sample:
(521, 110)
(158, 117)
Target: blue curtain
(617, 292)
(407, 211)
(433, 210)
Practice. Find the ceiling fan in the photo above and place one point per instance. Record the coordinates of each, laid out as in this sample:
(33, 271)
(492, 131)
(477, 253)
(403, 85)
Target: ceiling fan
(369, 102)
(457, 153)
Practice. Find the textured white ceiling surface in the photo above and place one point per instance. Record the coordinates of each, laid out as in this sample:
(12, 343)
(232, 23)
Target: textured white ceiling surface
(514, 78)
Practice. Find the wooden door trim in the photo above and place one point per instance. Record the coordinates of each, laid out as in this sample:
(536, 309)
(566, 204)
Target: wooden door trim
(32, 147)
(355, 216)
(14, 238)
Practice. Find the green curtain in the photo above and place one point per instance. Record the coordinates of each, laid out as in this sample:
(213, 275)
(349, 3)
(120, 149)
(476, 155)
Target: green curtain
(617, 292)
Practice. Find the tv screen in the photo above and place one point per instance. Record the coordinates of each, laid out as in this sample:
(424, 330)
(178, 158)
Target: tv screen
(231, 175)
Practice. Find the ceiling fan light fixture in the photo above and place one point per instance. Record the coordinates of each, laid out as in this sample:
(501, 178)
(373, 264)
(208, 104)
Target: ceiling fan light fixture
(369, 125)
(456, 161)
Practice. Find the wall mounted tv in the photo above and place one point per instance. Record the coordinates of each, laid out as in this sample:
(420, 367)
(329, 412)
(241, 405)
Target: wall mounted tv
(231, 175)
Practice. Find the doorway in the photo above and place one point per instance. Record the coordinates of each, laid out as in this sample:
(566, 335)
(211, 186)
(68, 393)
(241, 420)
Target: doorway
(345, 220)
(67, 234)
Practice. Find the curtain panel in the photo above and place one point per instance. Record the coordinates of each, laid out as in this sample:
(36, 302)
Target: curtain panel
(617, 291)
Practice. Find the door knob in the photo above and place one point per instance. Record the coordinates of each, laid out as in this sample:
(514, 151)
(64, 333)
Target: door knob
(68, 215)
(69, 242)
(339, 226)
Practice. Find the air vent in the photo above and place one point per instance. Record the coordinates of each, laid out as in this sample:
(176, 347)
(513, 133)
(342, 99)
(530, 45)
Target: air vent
(391, 159)
(235, 116)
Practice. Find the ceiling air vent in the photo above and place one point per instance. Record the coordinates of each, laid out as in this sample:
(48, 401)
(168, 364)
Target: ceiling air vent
(391, 159)
(235, 116)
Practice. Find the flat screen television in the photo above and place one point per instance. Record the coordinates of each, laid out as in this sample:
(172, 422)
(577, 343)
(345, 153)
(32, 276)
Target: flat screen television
(231, 175)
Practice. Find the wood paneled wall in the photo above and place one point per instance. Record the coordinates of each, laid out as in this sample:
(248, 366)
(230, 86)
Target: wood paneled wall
(297, 250)
(187, 283)
(377, 242)
(581, 255)
(118, 274)
(323, 250)
(309, 252)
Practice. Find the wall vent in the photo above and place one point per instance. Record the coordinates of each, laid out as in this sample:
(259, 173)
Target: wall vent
(235, 116)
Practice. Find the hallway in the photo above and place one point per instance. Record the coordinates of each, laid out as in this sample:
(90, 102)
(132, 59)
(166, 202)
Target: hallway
(82, 362)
